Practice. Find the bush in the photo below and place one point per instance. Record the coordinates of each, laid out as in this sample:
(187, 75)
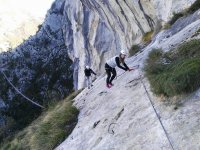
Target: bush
(175, 17)
(167, 26)
(198, 30)
(194, 6)
(190, 49)
(147, 36)
(49, 130)
(154, 65)
(176, 72)
(134, 49)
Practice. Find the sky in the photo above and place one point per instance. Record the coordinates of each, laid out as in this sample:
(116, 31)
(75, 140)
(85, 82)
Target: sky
(34, 7)
(15, 13)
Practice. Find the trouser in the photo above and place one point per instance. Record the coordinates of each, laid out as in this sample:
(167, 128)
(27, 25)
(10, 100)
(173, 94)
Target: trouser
(111, 73)
(88, 81)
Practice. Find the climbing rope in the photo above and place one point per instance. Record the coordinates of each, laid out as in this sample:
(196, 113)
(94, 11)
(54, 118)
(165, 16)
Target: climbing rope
(155, 111)
(133, 67)
(20, 92)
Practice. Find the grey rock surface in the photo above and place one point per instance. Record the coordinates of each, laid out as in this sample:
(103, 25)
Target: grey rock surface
(97, 30)
(123, 118)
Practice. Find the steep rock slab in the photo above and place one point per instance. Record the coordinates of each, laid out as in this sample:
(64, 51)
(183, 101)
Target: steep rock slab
(117, 118)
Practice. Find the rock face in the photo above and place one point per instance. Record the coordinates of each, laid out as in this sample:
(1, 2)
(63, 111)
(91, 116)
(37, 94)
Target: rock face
(123, 118)
(96, 30)
(43, 51)
(91, 31)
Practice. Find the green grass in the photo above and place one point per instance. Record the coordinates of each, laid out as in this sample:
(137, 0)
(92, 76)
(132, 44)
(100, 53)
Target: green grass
(194, 6)
(198, 30)
(186, 50)
(49, 130)
(176, 72)
(147, 36)
(133, 50)
(167, 26)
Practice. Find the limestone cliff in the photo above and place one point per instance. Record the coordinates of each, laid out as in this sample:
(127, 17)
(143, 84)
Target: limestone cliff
(95, 30)
(91, 31)
(19, 20)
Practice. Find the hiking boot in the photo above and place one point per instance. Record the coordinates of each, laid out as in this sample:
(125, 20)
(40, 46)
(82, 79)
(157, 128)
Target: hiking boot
(109, 85)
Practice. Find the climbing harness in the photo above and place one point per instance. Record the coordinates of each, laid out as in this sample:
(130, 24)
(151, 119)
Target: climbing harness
(156, 111)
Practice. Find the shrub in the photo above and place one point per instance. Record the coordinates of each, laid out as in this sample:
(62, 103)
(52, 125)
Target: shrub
(147, 36)
(194, 6)
(154, 65)
(176, 72)
(175, 17)
(134, 49)
(190, 49)
(198, 30)
(167, 26)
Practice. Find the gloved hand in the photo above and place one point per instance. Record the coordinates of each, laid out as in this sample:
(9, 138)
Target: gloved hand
(130, 69)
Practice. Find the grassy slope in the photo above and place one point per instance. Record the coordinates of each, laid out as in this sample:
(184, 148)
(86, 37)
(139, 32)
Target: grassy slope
(176, 72)
(49, 130)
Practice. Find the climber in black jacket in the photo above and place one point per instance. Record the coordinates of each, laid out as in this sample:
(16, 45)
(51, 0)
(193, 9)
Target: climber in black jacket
(88, 71)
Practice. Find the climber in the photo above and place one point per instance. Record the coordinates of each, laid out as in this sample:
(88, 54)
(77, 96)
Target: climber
(110, 67)
(88, 72)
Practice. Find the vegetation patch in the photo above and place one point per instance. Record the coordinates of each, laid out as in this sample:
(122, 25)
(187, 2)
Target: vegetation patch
(147, 37)
(49, 130)
(194, 6)
(44, 76)
(133, 50)
(175, 17)
(175, 72)
(196, 33)
(167, 26)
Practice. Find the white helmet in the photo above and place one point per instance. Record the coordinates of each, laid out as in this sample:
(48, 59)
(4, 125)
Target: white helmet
(123, 52)
(87, 67)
